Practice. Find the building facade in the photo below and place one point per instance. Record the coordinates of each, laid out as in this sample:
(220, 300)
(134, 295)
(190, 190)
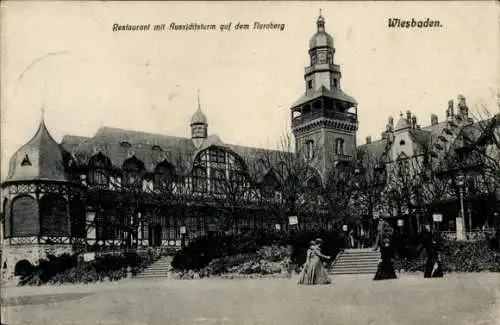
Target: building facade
(124, 188)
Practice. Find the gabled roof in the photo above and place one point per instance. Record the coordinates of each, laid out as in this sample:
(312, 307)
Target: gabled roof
(335, 93)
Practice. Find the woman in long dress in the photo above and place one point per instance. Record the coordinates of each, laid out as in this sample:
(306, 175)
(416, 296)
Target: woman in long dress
(385, 270)
(315, 273)
(304, 276)
(433, 267)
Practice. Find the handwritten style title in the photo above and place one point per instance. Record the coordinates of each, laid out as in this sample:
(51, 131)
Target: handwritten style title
(199, 27)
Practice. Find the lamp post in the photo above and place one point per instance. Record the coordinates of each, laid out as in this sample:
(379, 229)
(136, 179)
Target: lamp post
(460, 227)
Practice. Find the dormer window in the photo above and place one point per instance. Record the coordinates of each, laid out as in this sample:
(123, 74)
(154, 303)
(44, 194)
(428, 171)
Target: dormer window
(309, 84)
(125, 144)
(26, 161)
(335, 83)
(156, 148)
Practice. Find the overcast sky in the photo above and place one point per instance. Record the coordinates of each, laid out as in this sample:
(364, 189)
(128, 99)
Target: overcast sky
(65, 56)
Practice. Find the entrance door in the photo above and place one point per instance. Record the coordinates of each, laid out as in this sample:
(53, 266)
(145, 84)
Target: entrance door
(155, 235)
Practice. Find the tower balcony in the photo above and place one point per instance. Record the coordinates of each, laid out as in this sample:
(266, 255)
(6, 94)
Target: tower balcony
(330, 114)
(321, 67)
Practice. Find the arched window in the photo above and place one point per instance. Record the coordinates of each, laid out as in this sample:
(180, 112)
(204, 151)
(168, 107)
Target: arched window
(99, 167)
(218, 171)
(24, 217)
(132, 173)
(78, 222)
(6, 218)
(164, 177)
(339, 146)
(309, 149)
(54, 215)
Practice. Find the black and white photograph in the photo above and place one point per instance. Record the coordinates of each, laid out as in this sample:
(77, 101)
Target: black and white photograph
(250, 162)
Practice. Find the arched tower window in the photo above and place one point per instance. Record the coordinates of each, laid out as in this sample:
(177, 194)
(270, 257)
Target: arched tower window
(54, 215)
(99, 168)
(309, 149)
(133, 169)
(339, 146)
(24, 217)
(164, 177)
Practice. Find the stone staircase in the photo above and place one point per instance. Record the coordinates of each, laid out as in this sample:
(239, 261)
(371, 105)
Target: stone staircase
(159, 269)
(356, 261)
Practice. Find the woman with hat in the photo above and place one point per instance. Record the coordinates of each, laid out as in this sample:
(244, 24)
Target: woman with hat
(305, 273)
(314, 271)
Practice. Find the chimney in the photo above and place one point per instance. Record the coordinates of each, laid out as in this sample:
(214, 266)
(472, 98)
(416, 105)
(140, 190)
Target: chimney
(408, 116)
(368, 140)
(450, 108)
(434, 119)
(462, 107)
(414, 122)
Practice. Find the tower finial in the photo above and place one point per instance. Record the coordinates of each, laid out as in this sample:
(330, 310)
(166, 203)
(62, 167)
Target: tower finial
(321, 21)
(42, 112)
(199, 103)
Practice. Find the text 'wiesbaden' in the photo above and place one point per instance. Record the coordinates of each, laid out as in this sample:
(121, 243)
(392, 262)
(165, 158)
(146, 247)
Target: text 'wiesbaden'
(413, 23)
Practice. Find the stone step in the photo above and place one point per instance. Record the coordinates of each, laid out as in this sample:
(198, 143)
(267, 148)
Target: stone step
(159, 269)
(356, 261)
(353, 272)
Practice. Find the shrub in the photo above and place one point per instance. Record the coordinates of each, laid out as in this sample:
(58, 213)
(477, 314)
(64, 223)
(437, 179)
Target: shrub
(456, 257)
(67, 269)
(202, 251)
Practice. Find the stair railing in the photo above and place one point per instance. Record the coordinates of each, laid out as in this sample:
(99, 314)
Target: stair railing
(332, 265)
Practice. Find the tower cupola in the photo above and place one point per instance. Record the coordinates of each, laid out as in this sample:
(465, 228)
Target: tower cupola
(199, 125)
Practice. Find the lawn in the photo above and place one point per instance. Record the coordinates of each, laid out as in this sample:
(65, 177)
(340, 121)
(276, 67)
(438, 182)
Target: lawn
(457, 299)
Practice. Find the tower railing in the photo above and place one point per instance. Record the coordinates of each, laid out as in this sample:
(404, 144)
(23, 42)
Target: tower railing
(349, 117)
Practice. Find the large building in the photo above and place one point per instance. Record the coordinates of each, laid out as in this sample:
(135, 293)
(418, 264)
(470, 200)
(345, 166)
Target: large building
(124, 188)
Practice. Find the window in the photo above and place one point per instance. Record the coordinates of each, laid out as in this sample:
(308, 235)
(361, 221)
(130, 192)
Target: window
(132, 172)
(335, 83)
(156, 148)
(54, 216)
(309, 149)
(339, 146)
(309, 84)
(125, 144)
(26, 161)
(164, 177)
(200, 181)
(402, 142)
(99, 167)
(218, 171)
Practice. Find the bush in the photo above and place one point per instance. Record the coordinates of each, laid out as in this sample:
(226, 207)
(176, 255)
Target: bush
(221, 253)
(67, 269)
(456, 257)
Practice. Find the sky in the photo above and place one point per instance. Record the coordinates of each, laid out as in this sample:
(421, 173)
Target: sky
(64, 57)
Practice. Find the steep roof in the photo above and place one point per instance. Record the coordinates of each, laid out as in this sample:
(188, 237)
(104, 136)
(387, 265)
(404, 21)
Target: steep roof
(335, 93)
(41, 158)
(119, 145)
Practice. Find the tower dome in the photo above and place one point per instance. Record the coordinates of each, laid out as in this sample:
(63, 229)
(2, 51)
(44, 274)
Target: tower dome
(321, 38)
(199, 125)
(198, 117)
(41, 158)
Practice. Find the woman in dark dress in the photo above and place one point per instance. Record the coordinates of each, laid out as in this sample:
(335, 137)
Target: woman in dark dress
(432, 243)
(385, 270)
